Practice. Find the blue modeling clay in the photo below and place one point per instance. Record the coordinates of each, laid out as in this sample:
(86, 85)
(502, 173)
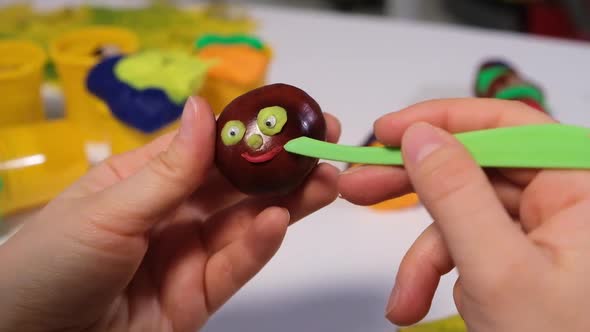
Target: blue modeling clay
(147, 90)
(146, 110)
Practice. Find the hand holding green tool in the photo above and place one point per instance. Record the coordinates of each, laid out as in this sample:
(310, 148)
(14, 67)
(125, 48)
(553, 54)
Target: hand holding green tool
(531, 146)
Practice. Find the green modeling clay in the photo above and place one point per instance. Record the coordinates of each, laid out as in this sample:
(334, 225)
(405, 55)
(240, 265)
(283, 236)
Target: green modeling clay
(178, 74)
(488, 76)
(521, 92)
(229, 40)
(497, 79)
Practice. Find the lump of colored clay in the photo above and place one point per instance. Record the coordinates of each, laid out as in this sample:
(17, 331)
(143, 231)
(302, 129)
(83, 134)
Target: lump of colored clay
(240, 59)
(498, 79)
(252, 131)
(239, 64)
(147, 90)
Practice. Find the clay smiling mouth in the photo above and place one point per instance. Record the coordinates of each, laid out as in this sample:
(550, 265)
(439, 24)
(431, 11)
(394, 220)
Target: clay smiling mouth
(261, 158)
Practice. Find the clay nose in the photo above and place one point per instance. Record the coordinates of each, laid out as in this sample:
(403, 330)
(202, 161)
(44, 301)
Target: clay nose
(254, 141)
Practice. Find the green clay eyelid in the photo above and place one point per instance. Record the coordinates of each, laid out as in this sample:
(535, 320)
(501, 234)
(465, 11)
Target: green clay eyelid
(233, 132)
(271, 120)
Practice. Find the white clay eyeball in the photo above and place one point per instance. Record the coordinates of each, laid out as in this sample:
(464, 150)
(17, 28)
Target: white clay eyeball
(271, 122)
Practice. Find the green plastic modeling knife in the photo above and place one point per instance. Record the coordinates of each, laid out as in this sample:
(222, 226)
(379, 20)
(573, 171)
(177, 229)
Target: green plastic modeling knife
(530, 146)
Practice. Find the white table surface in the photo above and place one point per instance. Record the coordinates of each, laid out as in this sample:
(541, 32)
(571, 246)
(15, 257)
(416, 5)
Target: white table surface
(337, 267)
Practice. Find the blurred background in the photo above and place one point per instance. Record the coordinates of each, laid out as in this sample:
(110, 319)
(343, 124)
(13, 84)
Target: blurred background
(556, 18)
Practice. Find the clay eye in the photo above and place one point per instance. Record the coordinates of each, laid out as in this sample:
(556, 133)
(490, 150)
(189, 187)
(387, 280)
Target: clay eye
(233, 132)
(271, 120)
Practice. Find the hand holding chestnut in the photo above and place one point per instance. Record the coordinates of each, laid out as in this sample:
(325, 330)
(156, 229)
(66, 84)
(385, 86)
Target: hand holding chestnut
(151, 240)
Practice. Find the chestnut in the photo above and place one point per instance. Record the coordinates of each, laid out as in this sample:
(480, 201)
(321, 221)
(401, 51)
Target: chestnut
(252, 131)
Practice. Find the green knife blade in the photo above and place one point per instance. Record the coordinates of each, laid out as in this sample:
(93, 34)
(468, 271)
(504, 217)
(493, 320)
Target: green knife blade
(531, 146)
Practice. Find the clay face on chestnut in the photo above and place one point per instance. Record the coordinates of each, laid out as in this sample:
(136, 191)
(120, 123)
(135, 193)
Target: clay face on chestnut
(252, 131)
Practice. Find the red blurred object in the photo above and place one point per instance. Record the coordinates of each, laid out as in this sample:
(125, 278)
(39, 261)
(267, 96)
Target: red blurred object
(534, 104)
(552, 20)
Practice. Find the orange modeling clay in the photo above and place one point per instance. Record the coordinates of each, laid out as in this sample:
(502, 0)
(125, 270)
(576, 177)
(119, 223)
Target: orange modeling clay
(239, 64)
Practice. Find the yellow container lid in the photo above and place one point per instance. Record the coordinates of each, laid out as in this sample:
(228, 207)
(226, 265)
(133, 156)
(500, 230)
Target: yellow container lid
(20, 58)
(78, 47)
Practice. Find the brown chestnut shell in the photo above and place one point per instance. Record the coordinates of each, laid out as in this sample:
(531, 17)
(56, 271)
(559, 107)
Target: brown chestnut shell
(245, 166)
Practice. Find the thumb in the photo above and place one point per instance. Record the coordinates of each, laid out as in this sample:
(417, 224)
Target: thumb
(459, 196)
(143, 198)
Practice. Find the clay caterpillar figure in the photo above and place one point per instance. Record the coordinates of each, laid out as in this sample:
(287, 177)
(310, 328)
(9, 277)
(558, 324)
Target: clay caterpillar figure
(498, 79)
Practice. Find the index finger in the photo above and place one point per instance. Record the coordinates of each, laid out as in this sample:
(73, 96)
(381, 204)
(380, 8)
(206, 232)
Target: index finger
(458, 115)
(463, 115)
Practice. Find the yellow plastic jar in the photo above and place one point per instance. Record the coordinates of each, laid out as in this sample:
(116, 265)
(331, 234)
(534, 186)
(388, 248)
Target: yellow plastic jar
(37, 162)
(21, 79)
(74, 56)
(120, 137)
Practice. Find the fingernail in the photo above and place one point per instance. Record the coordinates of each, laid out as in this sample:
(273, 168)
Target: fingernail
(187, 121)
(421, 140)
(393, 299)
(287, 212)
